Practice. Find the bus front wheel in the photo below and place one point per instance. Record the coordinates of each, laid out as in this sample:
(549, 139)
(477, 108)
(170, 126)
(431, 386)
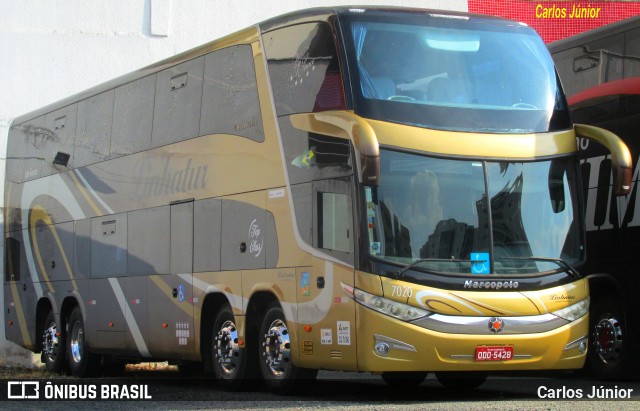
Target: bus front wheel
(279, 372)
(607, 358)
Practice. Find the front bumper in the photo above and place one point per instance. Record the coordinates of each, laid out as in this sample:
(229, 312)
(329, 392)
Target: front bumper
(413, 348)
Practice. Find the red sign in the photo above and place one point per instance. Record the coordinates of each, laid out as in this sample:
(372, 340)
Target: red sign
(555, 20)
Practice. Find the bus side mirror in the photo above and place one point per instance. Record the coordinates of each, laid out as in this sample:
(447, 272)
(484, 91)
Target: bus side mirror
(621, 163)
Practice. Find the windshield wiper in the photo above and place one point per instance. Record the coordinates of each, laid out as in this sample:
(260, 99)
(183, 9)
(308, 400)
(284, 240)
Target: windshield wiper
(423, 260)
(560, 262)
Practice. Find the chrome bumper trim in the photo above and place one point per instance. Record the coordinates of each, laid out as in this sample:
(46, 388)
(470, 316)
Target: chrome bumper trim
(452, 324)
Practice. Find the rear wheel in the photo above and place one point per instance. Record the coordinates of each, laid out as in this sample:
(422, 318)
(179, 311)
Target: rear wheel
(82, 363)
(608, 356)
(461, 380)
(229, 359)
(53, 347)
(279, 372)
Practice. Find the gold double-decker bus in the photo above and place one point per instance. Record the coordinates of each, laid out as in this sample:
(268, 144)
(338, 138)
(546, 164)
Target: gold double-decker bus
(384, 190)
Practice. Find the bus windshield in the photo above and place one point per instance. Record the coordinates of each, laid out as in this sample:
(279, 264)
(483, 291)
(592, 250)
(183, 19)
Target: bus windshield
(433, 213)
(461, 74)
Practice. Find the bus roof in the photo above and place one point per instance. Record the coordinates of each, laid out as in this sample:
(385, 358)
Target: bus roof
(245, 36)
(313, 14)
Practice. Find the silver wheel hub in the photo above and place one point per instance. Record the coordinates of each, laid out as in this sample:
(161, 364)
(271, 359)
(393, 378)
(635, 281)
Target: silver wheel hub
(608, 339)
(226, 350)
(276, 348)
(50, 341)
(76, 342)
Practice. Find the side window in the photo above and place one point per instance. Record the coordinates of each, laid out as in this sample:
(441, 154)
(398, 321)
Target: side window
(178, 102)
(632, 51)
(304, 69)
(133, 117)
(94, 129)
(62, 126)
(20, 136)
(230, 101)
(587, 66)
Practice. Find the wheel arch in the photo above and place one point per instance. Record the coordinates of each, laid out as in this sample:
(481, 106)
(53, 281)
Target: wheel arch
(256, 308)
(68, 304)
(604, 284)
(210, 306)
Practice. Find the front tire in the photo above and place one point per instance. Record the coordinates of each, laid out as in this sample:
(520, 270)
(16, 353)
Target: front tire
(82, 363)
(279, 372)
(53, 347)
(608, 356)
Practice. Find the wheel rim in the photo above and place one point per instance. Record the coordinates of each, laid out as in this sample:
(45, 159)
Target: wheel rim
(225, 347)
(276, 348)
(608, 339)
(50, 341)
(77, 342)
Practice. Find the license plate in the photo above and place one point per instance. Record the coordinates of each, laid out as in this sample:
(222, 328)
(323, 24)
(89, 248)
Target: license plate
(494, 353)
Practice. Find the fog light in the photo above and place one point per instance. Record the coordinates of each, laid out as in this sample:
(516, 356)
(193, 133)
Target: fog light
(382, 349)
(582, 347)
(580, 344)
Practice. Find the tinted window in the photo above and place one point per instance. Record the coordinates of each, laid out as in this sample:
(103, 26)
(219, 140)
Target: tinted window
(303, 68)
(453, 74)
(230, 102)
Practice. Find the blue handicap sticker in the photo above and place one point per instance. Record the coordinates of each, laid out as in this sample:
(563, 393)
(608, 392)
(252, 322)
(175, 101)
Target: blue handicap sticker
(480, 263)
(181, 293)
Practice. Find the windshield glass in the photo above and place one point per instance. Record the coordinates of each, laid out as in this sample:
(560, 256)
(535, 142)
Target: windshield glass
(463, 74)
(434, 213)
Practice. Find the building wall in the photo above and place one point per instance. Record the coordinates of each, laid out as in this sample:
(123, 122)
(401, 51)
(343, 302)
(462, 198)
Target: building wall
(56, 48)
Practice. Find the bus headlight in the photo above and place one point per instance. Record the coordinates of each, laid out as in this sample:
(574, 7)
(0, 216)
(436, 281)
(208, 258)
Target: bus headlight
(391, 308)
(573, 312)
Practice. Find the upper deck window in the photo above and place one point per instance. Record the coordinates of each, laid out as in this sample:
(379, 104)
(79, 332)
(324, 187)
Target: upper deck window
(303, 68)
(462, 74)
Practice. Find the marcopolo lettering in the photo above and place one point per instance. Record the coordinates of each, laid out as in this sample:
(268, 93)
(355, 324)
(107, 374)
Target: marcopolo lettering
(493, 285)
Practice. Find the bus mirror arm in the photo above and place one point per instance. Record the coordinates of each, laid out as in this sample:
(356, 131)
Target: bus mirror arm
(621, 162)
(370, 170)
(345, 124)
